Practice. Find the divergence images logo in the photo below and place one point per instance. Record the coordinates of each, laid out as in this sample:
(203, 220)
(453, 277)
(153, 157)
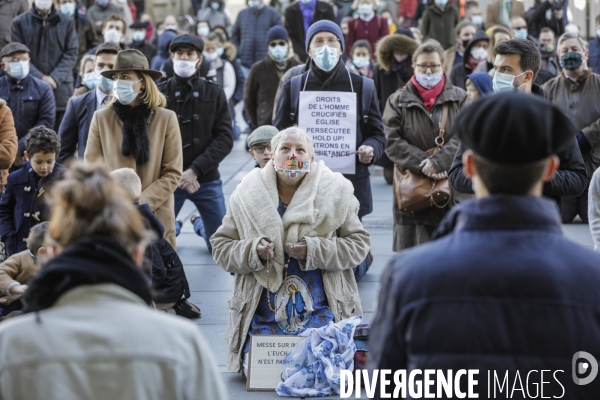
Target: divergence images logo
(581, 367)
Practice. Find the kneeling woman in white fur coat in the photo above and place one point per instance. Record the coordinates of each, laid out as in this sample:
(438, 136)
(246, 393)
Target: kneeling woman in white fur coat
(291, 240)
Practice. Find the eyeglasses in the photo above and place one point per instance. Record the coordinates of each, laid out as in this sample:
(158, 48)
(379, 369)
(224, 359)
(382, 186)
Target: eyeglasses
(331, 42)
(16, 60)
(280, 43)
(424, 67)
(261, 149)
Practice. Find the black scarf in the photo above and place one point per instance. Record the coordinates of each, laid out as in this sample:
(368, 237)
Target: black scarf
(135, 131)
(92, 260)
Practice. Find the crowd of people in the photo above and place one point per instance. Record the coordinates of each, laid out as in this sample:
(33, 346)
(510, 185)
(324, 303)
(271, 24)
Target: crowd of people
(110, 121)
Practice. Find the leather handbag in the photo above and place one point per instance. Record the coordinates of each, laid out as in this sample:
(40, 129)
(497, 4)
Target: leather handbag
(416, 192)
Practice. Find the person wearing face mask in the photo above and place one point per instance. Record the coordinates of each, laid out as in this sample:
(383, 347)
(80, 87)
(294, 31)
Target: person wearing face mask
(545, 14)
(86, 33)
(52, 39)
(298, 18)
(164, 41)
(99, 12)
(361, 62)
(412, 119)
(215, 13)
(135, 131)
(138, 37)
(519, 29)
(465, 31)
(113, 31)
(263, 80)
(367, 26)
(393, 71)
(499, 12)
(86, 78)
(550, 63)
(29, 98)
(516, 66)
(575, 92)
(305, 261)
(476, 52)
(221, 69)
(75, 126)
(438, 22)
(206, 135)
(250, 32)
(474, 14)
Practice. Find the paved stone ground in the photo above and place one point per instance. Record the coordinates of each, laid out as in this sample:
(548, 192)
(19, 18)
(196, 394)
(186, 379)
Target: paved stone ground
(211, 286)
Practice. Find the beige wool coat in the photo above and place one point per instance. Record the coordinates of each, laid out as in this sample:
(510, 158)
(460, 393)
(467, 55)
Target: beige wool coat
(160, 176)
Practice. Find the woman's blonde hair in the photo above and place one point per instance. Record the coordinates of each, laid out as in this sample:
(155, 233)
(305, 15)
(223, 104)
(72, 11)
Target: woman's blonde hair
(87, 202)
(84, 60)
(151, 96)
(491, 49)
(293, 133)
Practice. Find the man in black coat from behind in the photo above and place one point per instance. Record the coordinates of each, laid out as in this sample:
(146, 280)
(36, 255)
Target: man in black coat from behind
(206, 134)
(499, 289)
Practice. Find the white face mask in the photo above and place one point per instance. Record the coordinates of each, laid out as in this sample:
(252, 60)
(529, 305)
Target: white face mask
(477, 19)
(429, 81)
(171, 27)
(504, 82)
(138, 36)
(184, 68)
(203, 31)
(43, 4)
(113, 36)
(19, 70)
(365, 9)
(441, 2)
(479, 53)
(210, 56)
(67, 9)
(361, 62)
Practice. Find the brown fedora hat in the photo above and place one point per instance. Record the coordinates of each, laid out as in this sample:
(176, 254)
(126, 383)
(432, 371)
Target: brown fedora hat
(132, 60)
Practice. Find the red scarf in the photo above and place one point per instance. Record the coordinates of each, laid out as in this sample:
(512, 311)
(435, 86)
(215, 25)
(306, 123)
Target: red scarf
(473, 63)
(429, 96)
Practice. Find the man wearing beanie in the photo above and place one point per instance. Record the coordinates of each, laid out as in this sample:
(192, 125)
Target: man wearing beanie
(263, 80)
(327, 74)
(206, 135)
(499, 282)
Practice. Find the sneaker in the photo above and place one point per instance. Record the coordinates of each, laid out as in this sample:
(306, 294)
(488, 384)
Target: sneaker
(186, 309)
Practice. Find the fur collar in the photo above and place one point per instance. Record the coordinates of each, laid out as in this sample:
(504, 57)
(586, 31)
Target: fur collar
(321, 204)
(135, 131)
(391, 43)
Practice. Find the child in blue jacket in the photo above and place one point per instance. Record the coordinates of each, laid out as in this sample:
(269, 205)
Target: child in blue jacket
(22, 204)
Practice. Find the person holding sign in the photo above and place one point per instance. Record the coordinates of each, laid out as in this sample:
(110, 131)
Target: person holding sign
(291, 236)
(337, 109)
(414, 120)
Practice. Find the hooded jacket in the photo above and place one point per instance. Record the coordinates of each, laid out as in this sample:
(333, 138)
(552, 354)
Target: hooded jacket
(482, 81)
(53, 46)
(460, 71)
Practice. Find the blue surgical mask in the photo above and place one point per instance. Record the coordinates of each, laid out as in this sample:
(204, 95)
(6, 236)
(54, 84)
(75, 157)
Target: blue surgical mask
(104, 83)
(278, 52)
(521, 33)
(440, 2)
(365, 9)
(67, 9)
(203, 31)
(253, 3)
(19, 70)
(89, 80)
(504, 82)
(477, 19)
(220, 51)
(215, 6)
(124, 91)
(326, 57)
(138, 36)
(361, 62)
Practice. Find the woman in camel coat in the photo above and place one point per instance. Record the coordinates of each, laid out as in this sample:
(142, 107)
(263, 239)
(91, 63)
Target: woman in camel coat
(137, 132)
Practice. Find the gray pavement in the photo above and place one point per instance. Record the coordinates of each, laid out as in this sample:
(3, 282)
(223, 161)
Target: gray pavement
(211, 286)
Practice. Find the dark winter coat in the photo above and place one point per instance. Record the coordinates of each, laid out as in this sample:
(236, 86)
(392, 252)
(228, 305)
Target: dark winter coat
(260, 91)
(23, 205)
(294, 24)
(75, 126)
(483, 296)
(53, 46)
(9, 9)
(96, 13)
(368, 134)
(31, 102)
(250, 33)
(411, 130)
(594, 59)
(146, 48)
(460, 71)
(85, 32)
(164, 41)
(536, 19)
(204, 122)
(439, 25)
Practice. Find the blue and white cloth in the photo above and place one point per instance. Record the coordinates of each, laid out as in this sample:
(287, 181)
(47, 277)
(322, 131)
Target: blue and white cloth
(312, 368)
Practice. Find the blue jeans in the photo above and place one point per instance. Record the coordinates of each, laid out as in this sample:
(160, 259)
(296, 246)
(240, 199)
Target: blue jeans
(210, 203)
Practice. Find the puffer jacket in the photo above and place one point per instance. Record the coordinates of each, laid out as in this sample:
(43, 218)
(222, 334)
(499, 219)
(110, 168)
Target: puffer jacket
(411, 130)
(579, 100)
(53, 46)
(250, 33)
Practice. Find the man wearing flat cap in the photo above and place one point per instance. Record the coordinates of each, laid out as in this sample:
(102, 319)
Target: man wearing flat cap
(30, 99)
(499, 287)
(138, 37)
(206, 134)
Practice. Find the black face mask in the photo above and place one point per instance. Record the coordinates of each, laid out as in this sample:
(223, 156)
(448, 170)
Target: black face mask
(465, 43)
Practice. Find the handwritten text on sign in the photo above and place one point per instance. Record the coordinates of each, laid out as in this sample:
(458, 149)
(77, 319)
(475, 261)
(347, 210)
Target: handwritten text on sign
(266, 360)
(329, 118)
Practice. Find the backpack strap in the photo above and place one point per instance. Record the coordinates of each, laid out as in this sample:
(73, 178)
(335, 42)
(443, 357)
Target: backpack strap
(296, 82)
(368, 88)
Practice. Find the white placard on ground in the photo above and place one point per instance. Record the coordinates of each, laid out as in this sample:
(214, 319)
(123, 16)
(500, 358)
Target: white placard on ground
(265, 363)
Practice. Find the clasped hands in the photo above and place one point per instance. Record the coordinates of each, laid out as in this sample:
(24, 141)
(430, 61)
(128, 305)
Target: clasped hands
(266, 252)
(429, 170)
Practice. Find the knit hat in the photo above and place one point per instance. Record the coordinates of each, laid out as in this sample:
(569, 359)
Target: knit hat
(263, 134)
(277, 32)
(324, 25)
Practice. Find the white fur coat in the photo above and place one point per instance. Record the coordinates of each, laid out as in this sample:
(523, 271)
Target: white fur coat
(321, 204)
